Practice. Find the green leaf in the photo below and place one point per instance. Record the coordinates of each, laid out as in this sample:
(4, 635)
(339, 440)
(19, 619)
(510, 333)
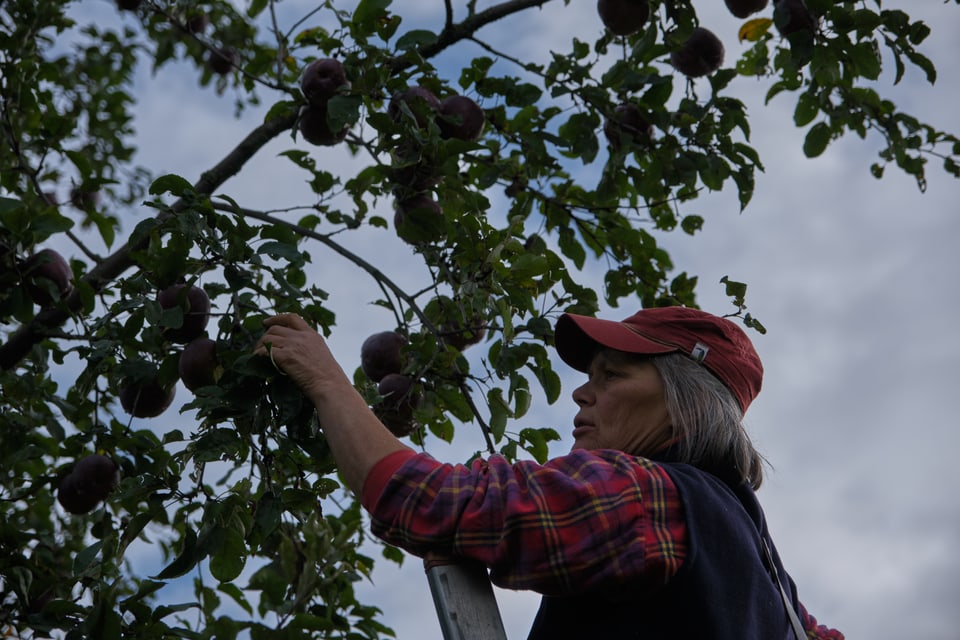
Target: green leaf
(808, 106)
(256, 8)
(816, 140)
(736, 290)
(415, 39)
(535, 442)
(86, 558)
(9, 205)
(281, 250)
(867, 58)
(185, 561)
(236, 595)
(229, 559)
(367, 14)
(171, 183)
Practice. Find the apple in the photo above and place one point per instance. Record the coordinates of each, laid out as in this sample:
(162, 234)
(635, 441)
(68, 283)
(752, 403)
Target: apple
(418, 219)
(413, 169)
(198, 365)
(222, 60)
(84, 199)
(700, 54)
(322, 79)
(627, 124)
(623, 17)
(197, 23)
(90, 481)
(463, 336)
(47, 277)
(381, 354)
(146, 398)
(396, 406)
(315, 128)
(196, 311)
(791, 16)
(460, 118)
(421, 101)
(743, 8)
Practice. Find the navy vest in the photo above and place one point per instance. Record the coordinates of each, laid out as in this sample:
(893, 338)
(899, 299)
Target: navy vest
(723, 590)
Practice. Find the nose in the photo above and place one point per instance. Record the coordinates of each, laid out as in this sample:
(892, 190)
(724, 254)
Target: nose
(582, 394)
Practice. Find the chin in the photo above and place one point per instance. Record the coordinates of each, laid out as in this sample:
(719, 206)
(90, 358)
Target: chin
(583, 443)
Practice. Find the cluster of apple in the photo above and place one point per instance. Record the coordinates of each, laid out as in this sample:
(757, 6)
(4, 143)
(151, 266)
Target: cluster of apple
(418, 217)
(46, 277)
(198, 365)
(220, 60)
(321, 80)
(701, 53)
(88, 484)
(381, 359)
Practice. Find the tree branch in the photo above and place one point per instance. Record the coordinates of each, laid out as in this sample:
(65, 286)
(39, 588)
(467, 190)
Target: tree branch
(23, 339)
(455, 32)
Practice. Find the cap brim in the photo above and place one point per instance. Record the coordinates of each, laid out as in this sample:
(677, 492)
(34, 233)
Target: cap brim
(578, 337)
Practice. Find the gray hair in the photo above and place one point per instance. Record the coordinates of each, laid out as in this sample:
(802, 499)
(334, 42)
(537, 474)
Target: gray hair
(707, 421)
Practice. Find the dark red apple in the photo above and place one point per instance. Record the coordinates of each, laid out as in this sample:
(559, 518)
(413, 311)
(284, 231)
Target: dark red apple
(418, 219)
(627, 124)
(90, 481)
(461, 118)
(222, 60)
(72, 499)
(198, 365)
(195, 304)
(791, 16)
(623, 17)
(322, 79)
(463, 336)
(700, 54)
(744, 8)
(381, 354)
(84, 198)
(421, 101)
(315, 128)
(395, 409)
(197, 23)
(47, 277)
(412, 169)
(146, 398)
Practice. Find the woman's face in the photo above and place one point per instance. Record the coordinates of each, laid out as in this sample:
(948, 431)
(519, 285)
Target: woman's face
(621, 405)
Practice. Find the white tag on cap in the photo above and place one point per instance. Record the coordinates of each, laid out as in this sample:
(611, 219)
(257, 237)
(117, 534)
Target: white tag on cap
(699, 352)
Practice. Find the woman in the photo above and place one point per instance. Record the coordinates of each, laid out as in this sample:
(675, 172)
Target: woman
(648, 528)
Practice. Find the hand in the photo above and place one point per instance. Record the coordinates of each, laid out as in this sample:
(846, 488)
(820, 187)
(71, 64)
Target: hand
(298, 350)
(355, 435)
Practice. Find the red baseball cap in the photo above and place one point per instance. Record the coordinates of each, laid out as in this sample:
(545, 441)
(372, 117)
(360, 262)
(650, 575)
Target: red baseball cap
(717, 343)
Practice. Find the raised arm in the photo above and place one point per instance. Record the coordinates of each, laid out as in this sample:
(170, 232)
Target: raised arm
(356, 437)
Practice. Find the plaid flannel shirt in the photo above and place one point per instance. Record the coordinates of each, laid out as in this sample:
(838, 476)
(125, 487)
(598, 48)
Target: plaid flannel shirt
(589, 520)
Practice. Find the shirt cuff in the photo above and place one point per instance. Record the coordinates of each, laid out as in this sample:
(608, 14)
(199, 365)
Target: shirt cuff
(380, 474)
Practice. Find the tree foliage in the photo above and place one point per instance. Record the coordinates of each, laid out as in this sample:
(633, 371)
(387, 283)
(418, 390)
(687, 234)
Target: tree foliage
(243, 504)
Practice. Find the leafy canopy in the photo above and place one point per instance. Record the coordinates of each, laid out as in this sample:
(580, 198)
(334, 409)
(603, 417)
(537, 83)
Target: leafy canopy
(242, 503)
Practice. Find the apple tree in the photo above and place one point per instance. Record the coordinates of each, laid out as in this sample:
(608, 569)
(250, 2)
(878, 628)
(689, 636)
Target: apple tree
(125, 290)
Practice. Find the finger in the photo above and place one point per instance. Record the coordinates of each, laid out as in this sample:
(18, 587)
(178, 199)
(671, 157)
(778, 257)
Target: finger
(291, 320)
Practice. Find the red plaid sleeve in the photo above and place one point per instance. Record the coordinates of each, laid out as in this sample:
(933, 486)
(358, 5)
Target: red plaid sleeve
(816, 631)
(586, 521)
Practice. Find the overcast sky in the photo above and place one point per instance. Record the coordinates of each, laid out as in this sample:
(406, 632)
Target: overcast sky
(854, 279)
